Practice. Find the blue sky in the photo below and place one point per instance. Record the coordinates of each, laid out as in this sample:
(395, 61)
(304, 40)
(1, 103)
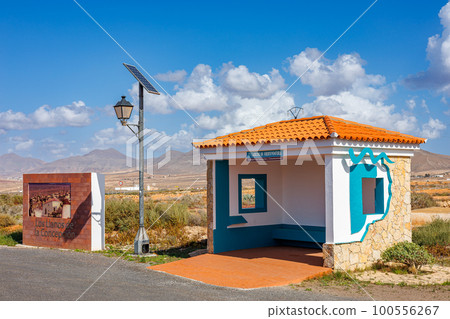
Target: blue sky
(227, 64)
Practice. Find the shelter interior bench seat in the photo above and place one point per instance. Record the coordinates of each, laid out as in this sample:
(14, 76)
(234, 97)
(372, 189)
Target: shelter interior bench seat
(304, 236)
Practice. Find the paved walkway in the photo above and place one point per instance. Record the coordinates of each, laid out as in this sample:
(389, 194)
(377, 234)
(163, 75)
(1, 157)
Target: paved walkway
(50, 274)
(251, 268)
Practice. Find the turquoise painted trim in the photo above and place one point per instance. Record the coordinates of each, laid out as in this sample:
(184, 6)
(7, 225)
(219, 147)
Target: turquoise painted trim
(260, 193)
(357, 173)
(381, 157)
(222, 202)
(297, 233)
(233, 220)
(379, 196)
(226, 239)
(357, 159)
(243, 238)
(306, 227)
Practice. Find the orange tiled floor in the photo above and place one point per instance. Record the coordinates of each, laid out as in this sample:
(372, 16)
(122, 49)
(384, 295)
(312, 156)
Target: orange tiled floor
(250, 268)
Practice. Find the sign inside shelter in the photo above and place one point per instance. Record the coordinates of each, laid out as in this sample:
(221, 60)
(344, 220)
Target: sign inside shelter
(49, 200)
(274, 155)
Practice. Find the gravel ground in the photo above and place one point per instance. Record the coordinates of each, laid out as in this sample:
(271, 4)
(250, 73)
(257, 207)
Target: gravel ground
(50, 274)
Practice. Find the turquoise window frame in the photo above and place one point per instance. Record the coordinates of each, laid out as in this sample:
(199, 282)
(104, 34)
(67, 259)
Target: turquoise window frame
(379, 195)
(357, 173)
(260, 193)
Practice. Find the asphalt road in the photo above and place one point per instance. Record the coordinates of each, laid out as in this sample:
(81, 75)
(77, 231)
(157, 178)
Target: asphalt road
(49, 274)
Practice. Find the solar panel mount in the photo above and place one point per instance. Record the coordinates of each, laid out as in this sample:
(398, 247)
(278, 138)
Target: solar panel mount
(138, 75)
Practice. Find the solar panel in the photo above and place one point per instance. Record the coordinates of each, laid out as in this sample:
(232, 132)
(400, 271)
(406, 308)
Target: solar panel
(138, 75)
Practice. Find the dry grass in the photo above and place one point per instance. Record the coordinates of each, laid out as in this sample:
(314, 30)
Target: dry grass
(175, 219)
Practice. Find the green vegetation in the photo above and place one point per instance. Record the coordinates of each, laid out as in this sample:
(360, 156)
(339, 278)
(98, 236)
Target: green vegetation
(122, 214)
(442, 194)
(337, 278)
(10, 239)
(167, 221)
(410, 254)
(422, 200)
(11, 199)
(161, 256)
(435, 233)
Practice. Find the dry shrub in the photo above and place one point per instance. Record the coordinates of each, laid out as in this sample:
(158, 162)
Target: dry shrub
(435, 233)
(193, 201)
(422, 200)
(11, 199)
(198, 218)
(439, 251)
(7, 220)
(166, 220)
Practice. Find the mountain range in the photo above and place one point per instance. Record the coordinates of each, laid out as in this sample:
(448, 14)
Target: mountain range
(101, 161)
(111, 160)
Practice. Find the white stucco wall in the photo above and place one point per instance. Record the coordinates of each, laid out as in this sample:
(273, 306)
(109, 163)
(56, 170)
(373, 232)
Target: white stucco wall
(274, 188)
(298, 189)
(304, 193)
(97, 211)
(338, 199)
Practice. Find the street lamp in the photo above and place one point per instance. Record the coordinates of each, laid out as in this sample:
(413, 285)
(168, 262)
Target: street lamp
(123, 110)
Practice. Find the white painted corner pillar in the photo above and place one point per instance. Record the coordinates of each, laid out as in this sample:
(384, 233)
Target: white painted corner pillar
(329, 223)
(337, 192)
(97, 211)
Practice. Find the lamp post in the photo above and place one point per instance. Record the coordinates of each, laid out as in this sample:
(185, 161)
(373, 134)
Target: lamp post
(123, 110)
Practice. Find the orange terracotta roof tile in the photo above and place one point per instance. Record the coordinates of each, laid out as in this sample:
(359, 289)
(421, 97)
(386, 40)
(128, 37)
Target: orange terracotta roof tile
(315, 128)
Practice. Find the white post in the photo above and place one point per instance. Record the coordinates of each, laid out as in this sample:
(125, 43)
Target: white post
(329, 200)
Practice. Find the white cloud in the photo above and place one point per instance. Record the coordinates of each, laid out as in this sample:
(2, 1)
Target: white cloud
(238, 80)
(75, 114)
(238, 95)
(119, 135)
(354, 108)
(425, 106)
(25, 145)
(160, 104)
(182, 140)
(245, 113)
(112, 136)
(54, 147)
(343, 88)
(437, 76)
(345, 74)
(411, 103)
(172, 76)
(21, 143)
(108, 110)
(433, 128)
(200, 93)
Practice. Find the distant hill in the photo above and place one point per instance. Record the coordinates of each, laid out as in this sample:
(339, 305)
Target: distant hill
(180, 163)
(111, 160)
(424, 161)
(14, 164)
(100, 161)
